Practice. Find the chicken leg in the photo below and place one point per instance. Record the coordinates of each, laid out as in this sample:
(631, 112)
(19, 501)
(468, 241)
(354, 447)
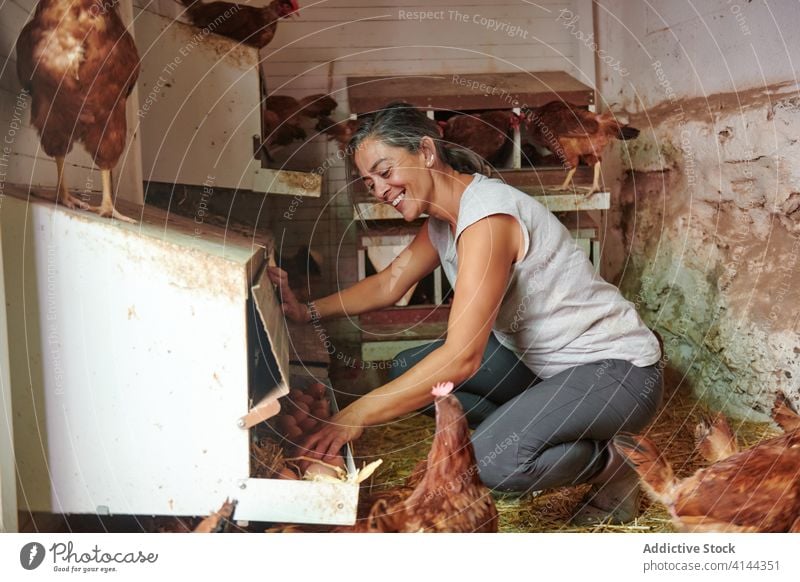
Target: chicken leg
(63, 196)
(596, 182)
(106, 208)
(567, 180)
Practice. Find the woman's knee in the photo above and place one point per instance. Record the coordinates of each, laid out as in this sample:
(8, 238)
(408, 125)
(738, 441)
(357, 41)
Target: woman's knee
(496, 458)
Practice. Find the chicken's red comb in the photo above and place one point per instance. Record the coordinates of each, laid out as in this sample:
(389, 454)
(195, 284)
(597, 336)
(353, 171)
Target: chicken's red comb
(442, 389)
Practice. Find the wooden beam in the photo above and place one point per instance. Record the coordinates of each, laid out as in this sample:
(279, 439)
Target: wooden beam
(467, 91)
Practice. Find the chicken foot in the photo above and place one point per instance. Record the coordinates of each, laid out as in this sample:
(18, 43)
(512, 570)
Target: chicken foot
(567, 181)
(596, 181)
(106, 208)
(595, 187)
(63, 196)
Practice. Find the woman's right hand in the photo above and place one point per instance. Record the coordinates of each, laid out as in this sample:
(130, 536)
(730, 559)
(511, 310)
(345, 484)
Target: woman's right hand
(294, 310)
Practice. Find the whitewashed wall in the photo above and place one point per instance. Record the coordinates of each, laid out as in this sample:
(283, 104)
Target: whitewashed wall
(705, 233)
(716, 46)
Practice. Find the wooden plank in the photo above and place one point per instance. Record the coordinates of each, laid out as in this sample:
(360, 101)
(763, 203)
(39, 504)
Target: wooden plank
(287, 182)
(381, 351)
(555, 202)
(411, 315)
(282, 56)
(306, 345)
(8, 472)
(465, 92)
(199, 105)
(579, 224)
(376, 30)
(544, 176)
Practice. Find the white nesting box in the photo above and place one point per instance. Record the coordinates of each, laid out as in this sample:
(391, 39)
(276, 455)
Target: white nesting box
(136, 351)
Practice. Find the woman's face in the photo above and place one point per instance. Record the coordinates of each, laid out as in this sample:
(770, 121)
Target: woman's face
(395, 176)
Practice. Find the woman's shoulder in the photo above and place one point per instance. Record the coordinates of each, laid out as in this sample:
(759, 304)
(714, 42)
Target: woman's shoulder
(487, 194)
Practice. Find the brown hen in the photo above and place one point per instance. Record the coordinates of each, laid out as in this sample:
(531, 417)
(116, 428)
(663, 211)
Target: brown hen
(489, 134)
(339, 131)
(282, 115)
(80, 65)
(251, 25)
(444, 492)
(756, 490)
(572, 134)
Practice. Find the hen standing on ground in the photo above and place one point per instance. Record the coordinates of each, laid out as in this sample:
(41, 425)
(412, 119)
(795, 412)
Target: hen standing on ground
(251, 25)
(444, 493)
(79, 64)
(756, 490)
(572, 133)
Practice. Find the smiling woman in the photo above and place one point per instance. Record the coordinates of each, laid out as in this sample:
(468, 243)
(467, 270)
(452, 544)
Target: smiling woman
(549, 359)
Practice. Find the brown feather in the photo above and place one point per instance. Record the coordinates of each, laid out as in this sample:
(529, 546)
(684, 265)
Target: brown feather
(254, 26)
(572, 133)
(444, 493)
(488, 134)
(753, 490)
(80, 64)
(715, 441)
(783, 414)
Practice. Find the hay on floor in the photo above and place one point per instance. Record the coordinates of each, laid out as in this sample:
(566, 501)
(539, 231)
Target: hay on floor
(403, 443)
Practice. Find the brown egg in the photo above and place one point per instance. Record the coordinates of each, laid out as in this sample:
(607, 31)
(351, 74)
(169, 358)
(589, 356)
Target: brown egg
(285, 422)
(321, 411)
(287, 473)
(318, 390)
(308, 424)
(293, 434)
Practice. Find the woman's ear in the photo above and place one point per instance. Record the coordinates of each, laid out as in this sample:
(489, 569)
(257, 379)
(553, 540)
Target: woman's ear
(428, 150)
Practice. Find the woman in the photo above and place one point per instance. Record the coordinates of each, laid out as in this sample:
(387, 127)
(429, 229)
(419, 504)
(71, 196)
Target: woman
(550, 360)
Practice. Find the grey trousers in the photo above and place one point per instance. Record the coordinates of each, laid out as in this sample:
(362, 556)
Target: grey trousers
(533, 433)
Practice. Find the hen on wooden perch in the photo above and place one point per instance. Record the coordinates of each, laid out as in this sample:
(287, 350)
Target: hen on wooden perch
(572, 133)
(252, 25)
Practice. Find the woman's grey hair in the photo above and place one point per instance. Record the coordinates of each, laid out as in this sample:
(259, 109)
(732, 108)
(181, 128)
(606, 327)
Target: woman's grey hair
(402, 125)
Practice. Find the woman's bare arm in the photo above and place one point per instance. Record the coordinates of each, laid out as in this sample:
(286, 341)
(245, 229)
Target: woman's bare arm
(383, 289)
(486, 252)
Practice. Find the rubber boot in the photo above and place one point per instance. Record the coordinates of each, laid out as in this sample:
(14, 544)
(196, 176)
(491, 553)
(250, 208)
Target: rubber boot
(614, 496)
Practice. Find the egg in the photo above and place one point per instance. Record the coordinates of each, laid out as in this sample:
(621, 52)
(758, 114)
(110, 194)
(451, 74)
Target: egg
(319, 469)
(287, 473)
(318, 390)
(293, 433)
(308, 424)
(285, 422)
(321, 410)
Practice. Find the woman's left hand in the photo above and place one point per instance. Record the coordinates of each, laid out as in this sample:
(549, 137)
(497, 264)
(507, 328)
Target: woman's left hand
(342, 428)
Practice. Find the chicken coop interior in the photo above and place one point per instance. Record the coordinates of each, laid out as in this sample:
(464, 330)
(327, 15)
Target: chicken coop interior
(151, 381)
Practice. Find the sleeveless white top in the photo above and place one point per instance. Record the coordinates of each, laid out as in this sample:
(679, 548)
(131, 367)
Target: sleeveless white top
(557, 312)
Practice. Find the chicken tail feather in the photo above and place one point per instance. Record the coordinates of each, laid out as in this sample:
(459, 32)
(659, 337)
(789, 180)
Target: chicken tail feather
(643, 455)
(783, 414)
(715, 440)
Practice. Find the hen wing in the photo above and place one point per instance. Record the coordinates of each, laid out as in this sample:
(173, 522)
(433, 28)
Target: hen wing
(755, 489)
(25, 64)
